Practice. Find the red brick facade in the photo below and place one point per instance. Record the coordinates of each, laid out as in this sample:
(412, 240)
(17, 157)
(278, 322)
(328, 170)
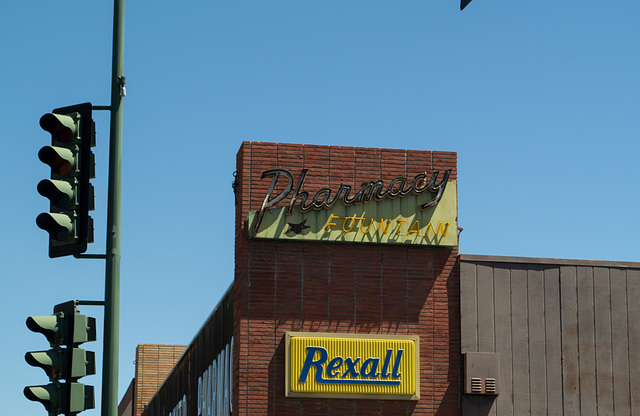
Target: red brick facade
(344, 288)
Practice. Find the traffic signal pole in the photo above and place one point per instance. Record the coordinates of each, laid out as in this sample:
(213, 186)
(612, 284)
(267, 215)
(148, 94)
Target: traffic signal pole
(112, 269)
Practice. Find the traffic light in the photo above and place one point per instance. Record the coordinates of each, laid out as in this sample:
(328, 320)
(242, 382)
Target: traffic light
(65, 330)
(69, 190)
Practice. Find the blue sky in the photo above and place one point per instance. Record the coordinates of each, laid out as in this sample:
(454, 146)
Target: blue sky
(541, 100)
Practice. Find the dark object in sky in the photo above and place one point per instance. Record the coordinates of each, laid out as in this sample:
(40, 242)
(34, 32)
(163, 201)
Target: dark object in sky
(297, 228)
(463, 4)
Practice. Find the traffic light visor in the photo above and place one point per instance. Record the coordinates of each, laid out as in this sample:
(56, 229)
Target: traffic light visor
(47, 395)
(59, 226)
(60, 159)
(60, 193)
(47, 360)
(61, 127)
(46, 325)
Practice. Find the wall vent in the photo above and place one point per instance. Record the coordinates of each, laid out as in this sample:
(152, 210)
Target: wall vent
(476, 385)
(482, 370)
(490, 386)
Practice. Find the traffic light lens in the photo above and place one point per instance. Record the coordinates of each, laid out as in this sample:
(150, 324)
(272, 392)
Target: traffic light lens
(40, 394)
(61, 167)
(44, 360)
(54, 124)
(60, 160)
(59, 226)
(60, 193)
(62, 133)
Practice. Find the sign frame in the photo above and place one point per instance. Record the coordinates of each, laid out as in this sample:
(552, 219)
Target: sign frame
(366, 396)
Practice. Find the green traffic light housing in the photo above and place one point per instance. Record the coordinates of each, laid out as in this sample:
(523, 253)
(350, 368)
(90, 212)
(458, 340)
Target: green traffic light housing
(69, 189)
(59, 226)
(61, 160)
(59, 398)
(65, 363)
(60, 193)
(65, 326)
(49, 361)
(63, 128)
(50, 396)
(48, 326)
(55, 363)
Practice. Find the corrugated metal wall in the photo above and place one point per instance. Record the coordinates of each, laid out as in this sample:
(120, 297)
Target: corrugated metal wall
(568, 334)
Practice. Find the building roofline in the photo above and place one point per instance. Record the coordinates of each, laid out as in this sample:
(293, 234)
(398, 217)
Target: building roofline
(193, 341)
(474, 258)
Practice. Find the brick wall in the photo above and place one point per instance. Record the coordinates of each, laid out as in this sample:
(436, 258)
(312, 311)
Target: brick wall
(368, 289)
(153, 363)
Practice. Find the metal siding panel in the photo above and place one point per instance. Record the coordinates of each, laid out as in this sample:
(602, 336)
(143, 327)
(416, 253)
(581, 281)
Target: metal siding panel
(520, 345)
(553, 340)
(502, 288)
(468, 308)
(586, 344)
(570, 364)
(633, 295)
(576, 326)
(602, 310)
(620, 344)
(537, 358)
(486, 335)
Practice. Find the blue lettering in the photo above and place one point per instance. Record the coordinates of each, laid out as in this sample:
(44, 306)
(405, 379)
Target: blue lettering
(308, 362)
(334, 366)
(373, 364)
(385, 365)
(369, 368)
(396, 365)
(352, 367)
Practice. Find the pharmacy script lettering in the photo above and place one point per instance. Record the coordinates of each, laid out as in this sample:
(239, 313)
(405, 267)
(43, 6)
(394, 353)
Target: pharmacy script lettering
(325, 198)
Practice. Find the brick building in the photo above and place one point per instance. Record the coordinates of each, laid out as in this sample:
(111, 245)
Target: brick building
(347, 301)
(154, 362)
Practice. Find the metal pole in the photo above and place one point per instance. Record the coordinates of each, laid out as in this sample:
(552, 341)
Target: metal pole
(112, 272)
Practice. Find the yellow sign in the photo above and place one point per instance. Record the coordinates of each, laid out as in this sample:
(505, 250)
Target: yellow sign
(352, 366)
(390, 221)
